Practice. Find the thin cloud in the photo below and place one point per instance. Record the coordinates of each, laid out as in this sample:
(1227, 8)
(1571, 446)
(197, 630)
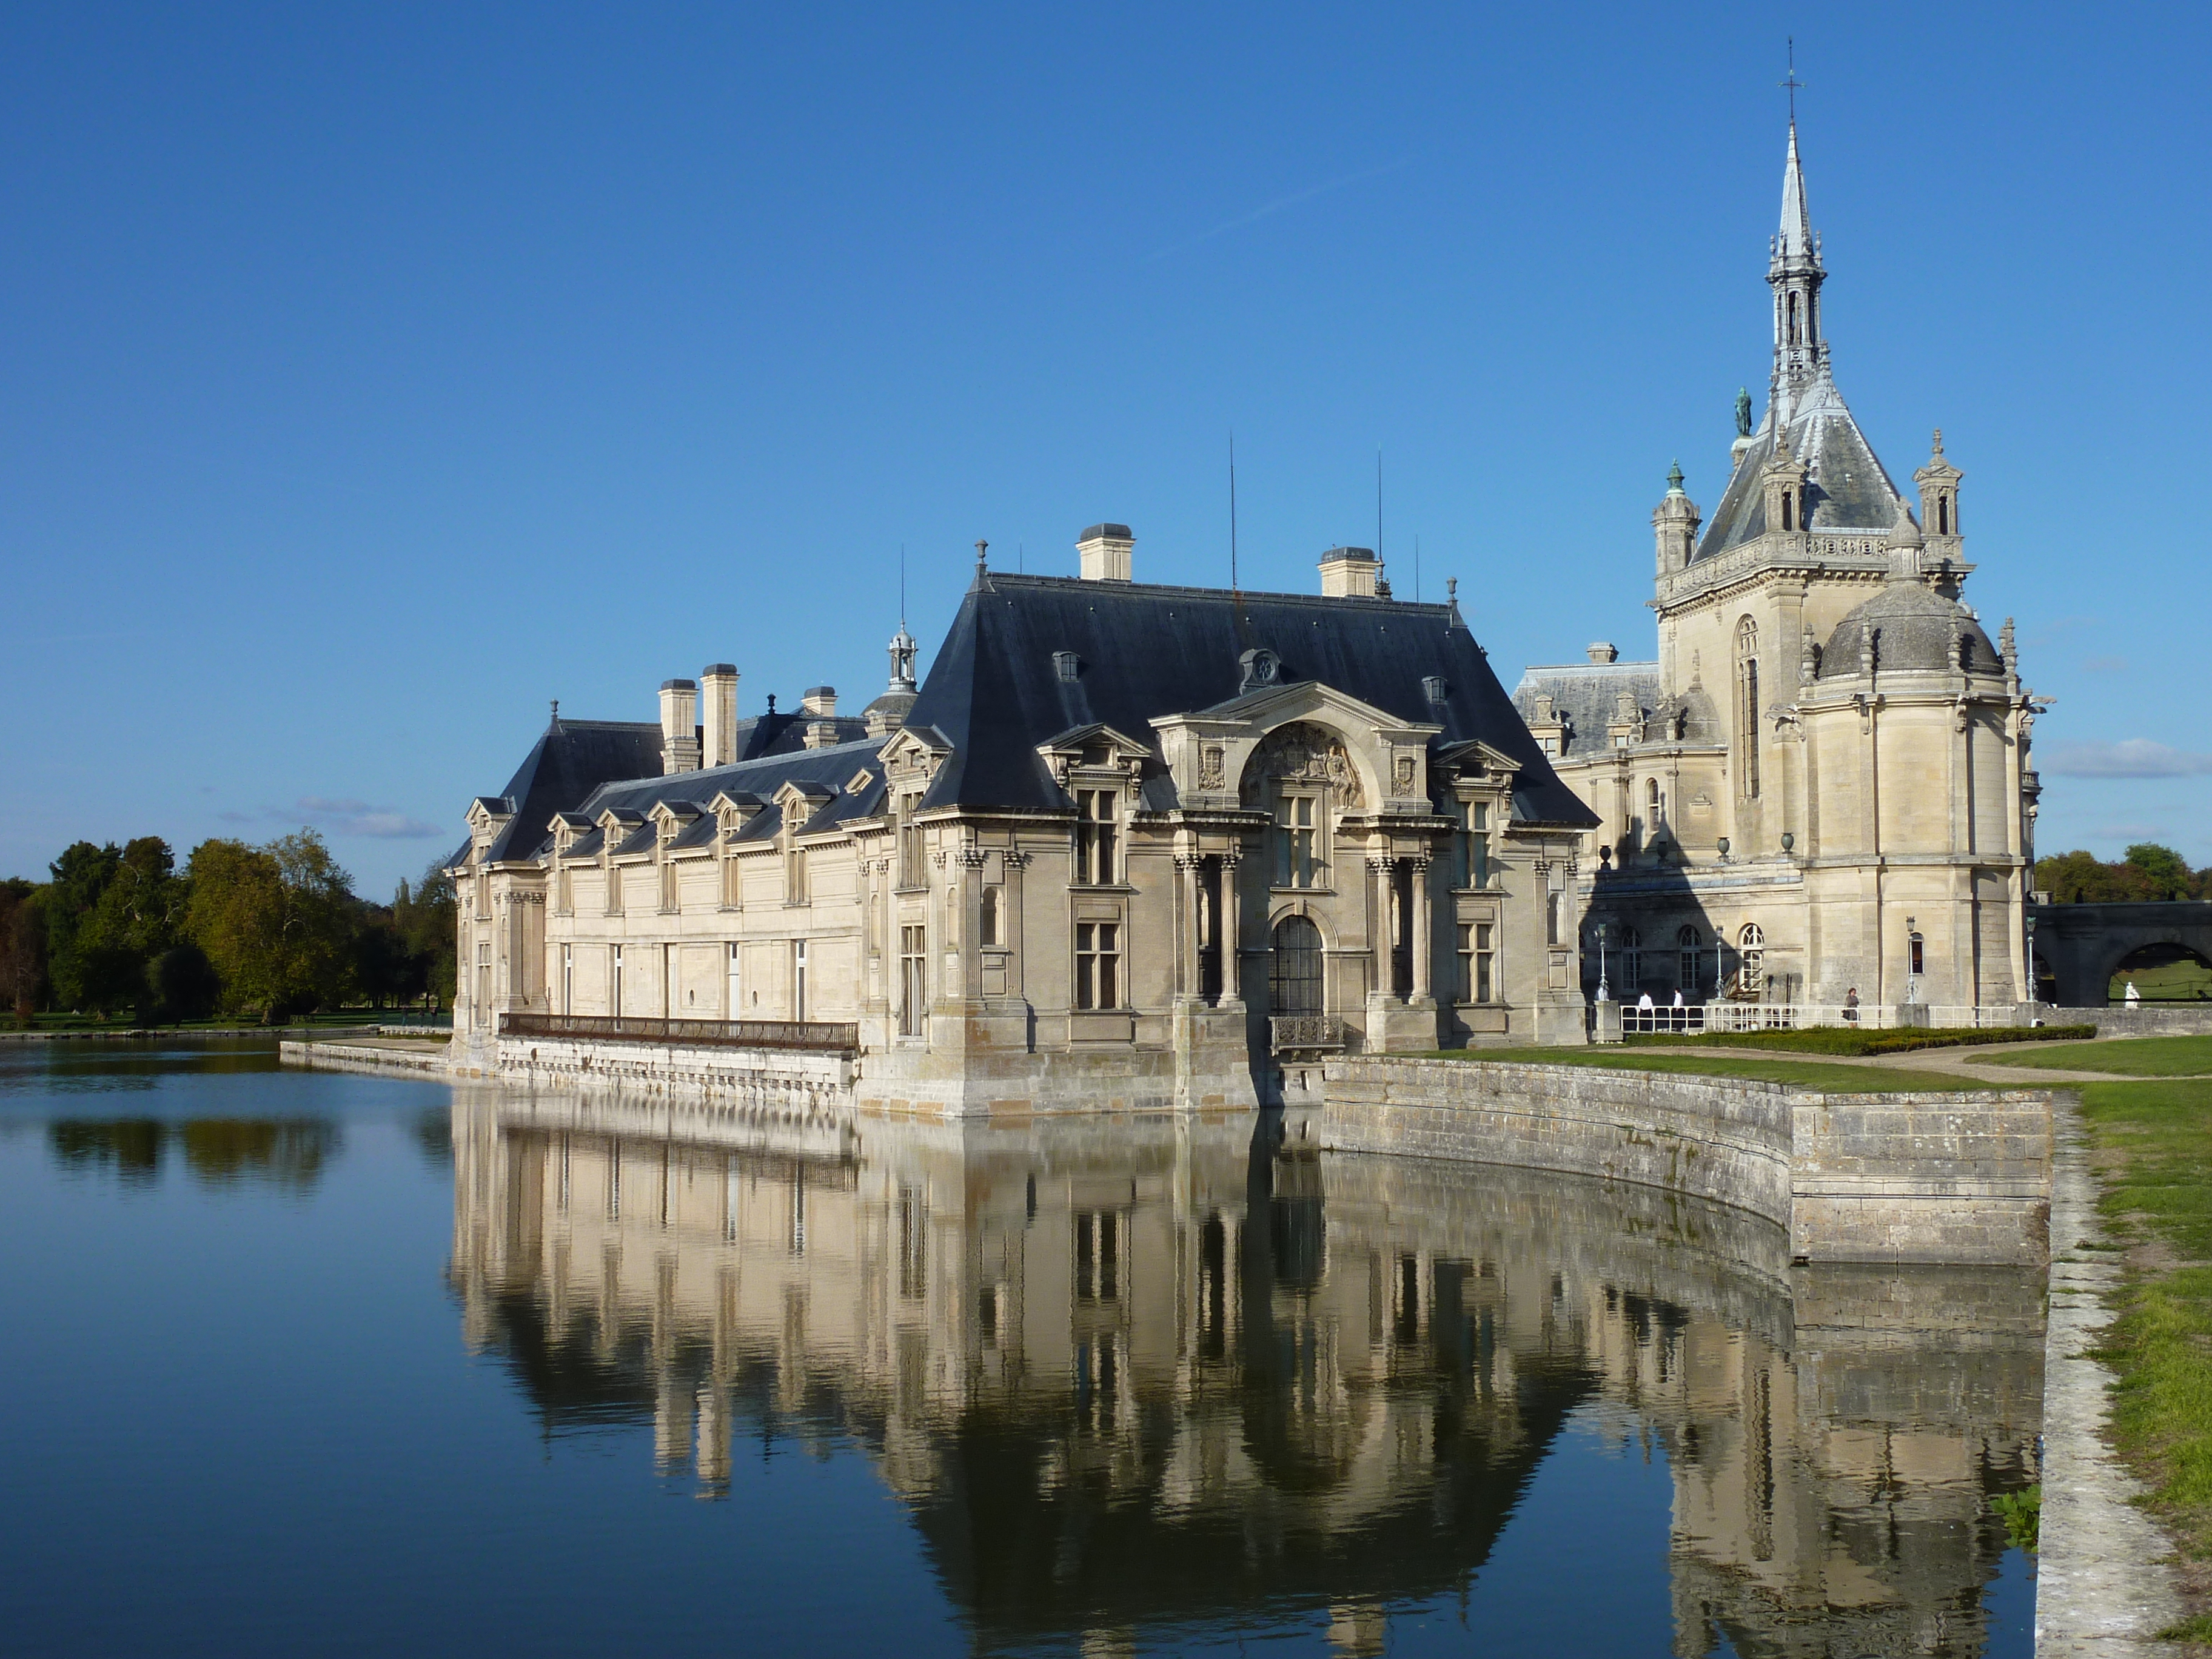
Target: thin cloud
(358, 817)
(2130, 757)
(1277, 206)
(2106, 665)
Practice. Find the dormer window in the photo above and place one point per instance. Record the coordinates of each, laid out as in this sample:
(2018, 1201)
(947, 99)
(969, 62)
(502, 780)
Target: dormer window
(1096, 836)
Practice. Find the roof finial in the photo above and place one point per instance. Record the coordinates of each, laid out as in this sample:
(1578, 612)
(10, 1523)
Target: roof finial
(1792, 83)
(557, 714)
(980, 547)
(1675, 479)
(1939, 443)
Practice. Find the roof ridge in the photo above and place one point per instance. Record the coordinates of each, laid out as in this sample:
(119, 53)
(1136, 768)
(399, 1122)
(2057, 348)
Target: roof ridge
(1395, 606)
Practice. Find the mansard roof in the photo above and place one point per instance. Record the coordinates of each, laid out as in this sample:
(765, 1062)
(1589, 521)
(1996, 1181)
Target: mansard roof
(570, 759)
(1002, 686)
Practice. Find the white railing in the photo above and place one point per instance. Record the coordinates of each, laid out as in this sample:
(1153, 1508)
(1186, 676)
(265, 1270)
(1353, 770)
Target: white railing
(1798, 1016)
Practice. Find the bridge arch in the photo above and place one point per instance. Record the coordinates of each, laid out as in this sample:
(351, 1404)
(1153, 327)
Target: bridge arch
(2079, 947)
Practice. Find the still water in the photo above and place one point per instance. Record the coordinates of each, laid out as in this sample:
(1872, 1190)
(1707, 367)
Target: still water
(310, 1363)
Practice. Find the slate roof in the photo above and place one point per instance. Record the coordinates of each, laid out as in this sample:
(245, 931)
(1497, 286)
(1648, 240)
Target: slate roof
(1846, 485)
(569, 760)
(1584, 694)
(1914, 629)
(1144, 651)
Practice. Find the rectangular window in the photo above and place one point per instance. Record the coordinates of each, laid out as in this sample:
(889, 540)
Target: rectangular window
(1551, 918)
(731, 890)
(1297, 843)
(564, 890)
(798, 979)
(567, 979)
(1475, 844)
(1485, 981)
(668, 899)
(795, 875)
(614, 981)
(912, 993)
(733, 987)
(1098, 964)
(614, 890)
(912, 865)
(1094, 837)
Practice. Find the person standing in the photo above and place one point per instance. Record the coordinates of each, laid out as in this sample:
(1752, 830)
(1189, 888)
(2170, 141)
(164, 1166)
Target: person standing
(1851, 1006)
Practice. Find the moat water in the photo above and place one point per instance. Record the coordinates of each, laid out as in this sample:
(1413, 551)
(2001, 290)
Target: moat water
(318, 1364)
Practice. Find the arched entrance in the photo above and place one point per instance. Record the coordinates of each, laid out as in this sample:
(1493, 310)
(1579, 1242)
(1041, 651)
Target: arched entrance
(1294, 968)
(2163, 972)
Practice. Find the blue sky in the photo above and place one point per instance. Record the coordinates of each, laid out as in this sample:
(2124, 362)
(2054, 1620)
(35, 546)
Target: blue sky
(373, 375)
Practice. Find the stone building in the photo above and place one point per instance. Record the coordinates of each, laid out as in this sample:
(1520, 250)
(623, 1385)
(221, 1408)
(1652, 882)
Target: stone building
(1821, 786)
(1128, 846)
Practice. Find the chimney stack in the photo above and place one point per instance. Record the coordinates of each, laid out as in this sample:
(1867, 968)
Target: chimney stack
(1601, 652)
(1104, 551)
(1348, 572)
(718, 682)
(819, 705)
(679, 725)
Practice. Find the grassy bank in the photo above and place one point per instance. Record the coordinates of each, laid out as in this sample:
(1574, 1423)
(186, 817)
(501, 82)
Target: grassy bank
(1864, 1040)
(2173, 1056)
(1809, 1074)
(2154, 1147)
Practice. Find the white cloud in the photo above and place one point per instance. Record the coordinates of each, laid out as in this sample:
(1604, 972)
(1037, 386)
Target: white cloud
(358, 817)
(2130, 757)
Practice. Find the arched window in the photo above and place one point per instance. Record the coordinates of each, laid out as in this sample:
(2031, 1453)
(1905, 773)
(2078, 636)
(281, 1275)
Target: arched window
(1751, 958)
(1918, 948)
(1654, 806)
(1688, 952)
(1294, 968)
(1632, 957)
(987, 923)
(1746, 726)
(1793, 335)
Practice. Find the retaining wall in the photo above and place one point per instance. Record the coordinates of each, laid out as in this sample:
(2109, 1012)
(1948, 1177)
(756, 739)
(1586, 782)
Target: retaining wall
(2148, 1019)
(1963, 1177)
(781, 1080)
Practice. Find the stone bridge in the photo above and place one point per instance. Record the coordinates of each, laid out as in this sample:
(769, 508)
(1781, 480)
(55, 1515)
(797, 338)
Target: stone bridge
(2081, 946)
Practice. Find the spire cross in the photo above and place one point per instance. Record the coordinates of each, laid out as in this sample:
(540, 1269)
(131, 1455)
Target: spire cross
(1792, 83)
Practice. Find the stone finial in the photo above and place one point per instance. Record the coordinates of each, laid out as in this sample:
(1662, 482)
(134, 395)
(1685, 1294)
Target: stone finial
(981, 547)
(1938, 446)
(1905, 545)
(1675, 479)
(2006, 647)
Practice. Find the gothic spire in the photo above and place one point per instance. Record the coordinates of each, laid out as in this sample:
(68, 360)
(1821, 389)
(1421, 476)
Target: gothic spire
(1797, 224)
(1793, 271)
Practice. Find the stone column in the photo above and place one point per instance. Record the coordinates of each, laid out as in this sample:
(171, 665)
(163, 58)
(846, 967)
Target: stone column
(971, 860)
(1421, 902)
(1232, 931)
(1188, 978)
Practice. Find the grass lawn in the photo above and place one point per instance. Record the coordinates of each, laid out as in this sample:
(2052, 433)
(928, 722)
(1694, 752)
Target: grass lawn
(2155, 1146)
(1862, 1039)
(1761, 1068)
(2171, 1056)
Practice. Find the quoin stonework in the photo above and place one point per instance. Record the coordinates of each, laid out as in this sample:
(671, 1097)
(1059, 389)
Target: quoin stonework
(1820, 793)
(1133, 846)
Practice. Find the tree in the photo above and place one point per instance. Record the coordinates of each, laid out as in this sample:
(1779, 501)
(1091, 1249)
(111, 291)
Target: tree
(2166, 871)
(425, 918)
(80, 876)
(236, 917)
(22, 948)
(2149, 871)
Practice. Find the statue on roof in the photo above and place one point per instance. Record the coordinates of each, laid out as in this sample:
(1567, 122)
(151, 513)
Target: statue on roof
(1742, 413)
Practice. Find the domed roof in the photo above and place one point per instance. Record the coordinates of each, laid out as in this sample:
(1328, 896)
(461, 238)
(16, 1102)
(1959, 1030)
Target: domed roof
(1912, 627)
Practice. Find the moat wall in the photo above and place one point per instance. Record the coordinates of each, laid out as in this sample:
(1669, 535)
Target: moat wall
(1950, 1177)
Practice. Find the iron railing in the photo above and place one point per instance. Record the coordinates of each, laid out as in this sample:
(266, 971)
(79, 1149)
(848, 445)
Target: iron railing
(1797, 1016)
(815, 1036)
(1305, 1033)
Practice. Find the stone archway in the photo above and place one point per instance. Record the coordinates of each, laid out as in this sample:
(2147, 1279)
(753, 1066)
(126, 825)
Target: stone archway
(2079, 947)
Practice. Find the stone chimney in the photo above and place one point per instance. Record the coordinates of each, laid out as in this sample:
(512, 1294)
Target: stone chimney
(1602, 652)
(1348, 572)
(1104, 551)
(819, 705)
(679, 725)
(718, 682)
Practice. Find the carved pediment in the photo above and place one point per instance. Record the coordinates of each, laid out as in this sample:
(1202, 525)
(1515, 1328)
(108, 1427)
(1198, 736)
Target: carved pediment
(1303, 753)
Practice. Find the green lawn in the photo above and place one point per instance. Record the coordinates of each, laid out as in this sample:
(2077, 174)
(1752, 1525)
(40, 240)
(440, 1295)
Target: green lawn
(2176, 981)
(1811, 1075)
(1862, 1039)
(2156, 1143)
(2172, 1056)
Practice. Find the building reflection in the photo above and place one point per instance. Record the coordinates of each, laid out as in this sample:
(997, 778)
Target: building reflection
(1123, 1372)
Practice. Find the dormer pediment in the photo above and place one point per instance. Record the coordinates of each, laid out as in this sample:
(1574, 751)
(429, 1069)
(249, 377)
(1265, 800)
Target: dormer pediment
(1476, 759)
(1096, 748)
(1207, 748)
(914, 752)
(488, 813)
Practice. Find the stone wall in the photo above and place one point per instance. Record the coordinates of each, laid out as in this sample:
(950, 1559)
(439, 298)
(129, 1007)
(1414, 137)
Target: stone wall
(1963, 1177)
(778, 1079)
(2151, 1019)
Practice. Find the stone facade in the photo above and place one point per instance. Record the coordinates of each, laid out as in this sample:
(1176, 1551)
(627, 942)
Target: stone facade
(1821, 786)
(1129, 847)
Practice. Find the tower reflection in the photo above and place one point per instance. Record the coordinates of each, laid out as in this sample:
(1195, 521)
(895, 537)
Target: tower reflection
(1124, 1373)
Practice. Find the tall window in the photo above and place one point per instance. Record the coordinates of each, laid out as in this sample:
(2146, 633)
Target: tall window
(1475, 844)
(1632, 957)
(668, 898)
(614, 980)
(911, 993)
(483, 983)
(1688, 954)
(614, 890)
(1475, 959)
(1751, 962)
(1094, 836)
(733, 986)
(1655, 807)
(1746, 724)
(912, 862)
(988, 925)
(567, 979)
(798, 979)
(1551, 918)
(564, 889)
(1098, 964)
(1298, 860)
(1294, 968)
(1916, 955)
(731, 892)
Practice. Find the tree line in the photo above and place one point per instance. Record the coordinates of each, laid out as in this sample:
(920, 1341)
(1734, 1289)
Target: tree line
(265, 932)
(2146, 873)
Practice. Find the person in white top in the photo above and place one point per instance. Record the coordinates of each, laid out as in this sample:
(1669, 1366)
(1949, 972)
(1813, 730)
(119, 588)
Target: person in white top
(1645, 1002)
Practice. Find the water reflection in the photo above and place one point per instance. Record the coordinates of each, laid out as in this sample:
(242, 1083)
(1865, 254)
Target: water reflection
(1130, 1374)
(287, 1152)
